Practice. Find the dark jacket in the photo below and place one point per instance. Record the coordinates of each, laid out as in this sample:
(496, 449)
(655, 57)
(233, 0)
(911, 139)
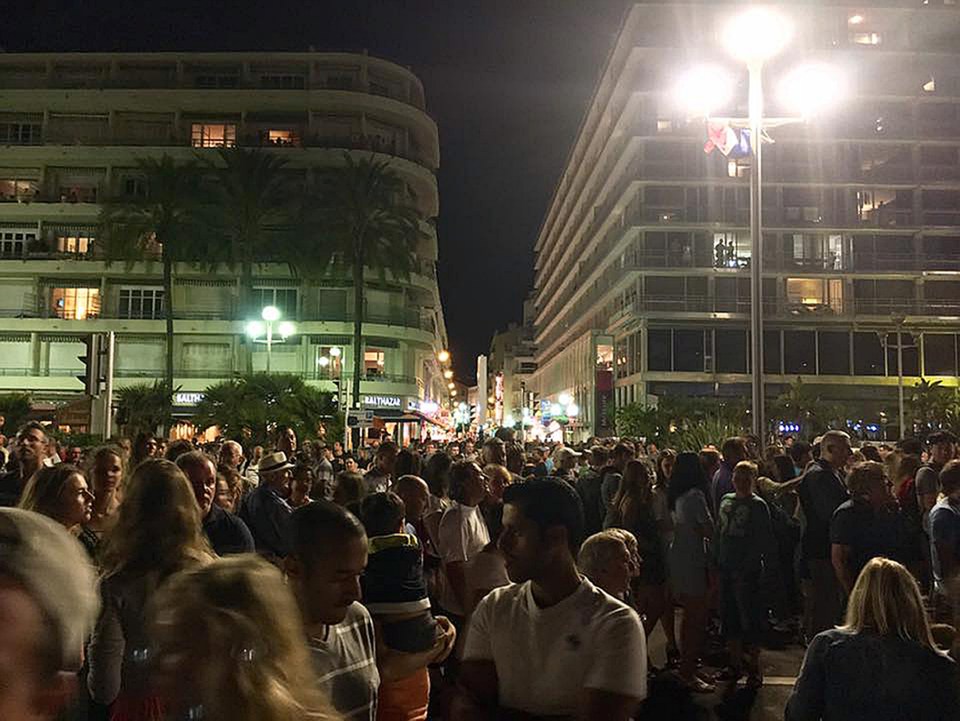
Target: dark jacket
(821, 491)
(588, 488)
(864, 676)
(227, 533)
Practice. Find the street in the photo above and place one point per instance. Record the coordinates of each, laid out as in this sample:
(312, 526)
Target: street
(668, 701)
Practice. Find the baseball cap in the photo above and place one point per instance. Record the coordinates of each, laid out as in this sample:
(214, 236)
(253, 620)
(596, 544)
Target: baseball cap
(55, 570)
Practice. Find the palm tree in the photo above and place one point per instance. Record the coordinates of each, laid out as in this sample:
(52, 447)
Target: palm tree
(252, 211)
(368, 220)
(164, 217)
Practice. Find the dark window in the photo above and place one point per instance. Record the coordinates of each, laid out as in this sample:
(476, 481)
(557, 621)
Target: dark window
(867, 354)
(731, 350)
(658, 349)
(799, 352)
(940, 354)
(834, 349)
(688, 350)
(771, 352)
(911, 354)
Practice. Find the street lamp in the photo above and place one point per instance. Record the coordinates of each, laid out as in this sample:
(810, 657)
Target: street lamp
(754, 37)
(258, 329)
(448, 374)
(443, 356)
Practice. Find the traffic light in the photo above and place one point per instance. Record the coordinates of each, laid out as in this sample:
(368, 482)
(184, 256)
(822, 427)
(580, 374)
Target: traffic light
(95, 364)
(91, 362)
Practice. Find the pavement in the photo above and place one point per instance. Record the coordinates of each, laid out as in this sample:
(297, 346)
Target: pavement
(781, 659)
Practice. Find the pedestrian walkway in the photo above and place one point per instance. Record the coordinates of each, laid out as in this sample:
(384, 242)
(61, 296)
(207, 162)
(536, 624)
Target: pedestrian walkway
(668, 701)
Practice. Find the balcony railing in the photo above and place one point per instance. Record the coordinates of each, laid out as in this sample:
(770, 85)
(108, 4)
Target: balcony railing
(214, 373)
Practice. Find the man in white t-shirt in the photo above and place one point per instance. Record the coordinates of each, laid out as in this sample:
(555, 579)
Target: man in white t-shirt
(462, 534)
(551, 643)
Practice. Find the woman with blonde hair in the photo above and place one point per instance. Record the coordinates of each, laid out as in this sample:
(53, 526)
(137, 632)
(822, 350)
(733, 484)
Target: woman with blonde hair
(247, 660)
(882, 664)
(157, 533)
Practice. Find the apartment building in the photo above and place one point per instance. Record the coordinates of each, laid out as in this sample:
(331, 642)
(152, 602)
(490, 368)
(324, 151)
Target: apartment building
(71, 129)
(643, 260)
(513, 359)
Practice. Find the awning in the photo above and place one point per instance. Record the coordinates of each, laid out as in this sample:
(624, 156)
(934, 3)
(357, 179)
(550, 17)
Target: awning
(397, 416)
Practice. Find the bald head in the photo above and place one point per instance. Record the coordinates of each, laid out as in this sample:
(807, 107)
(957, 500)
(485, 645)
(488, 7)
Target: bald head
(231, 455)
(414, 492)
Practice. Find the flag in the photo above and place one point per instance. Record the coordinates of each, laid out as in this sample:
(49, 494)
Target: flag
(720, 136)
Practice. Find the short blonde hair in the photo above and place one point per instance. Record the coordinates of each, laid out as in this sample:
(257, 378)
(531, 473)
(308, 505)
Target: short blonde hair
(598, 550)
(865, 476)
(744, 472)
(234, 629)
(886, 600)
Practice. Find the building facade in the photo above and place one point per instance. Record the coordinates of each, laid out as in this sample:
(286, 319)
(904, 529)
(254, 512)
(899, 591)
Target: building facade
(643, 259)
(71, 129)
(513, 359)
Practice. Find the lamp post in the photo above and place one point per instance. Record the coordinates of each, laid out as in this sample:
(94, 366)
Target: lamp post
(754, 37)
(264, 329)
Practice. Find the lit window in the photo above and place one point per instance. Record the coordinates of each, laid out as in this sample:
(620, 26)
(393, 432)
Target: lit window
(855, 20)
(281, 137)
(213, 135)
(18, 191)
(79, 244)
(373, 362)
(664, 126)
(815, 293)
(930, 86)
(76, 303)
(866, 38)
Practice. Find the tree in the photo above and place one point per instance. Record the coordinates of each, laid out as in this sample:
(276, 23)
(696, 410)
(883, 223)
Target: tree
(367, 220)
(165, 217)
(801, 403)
(250, 215)
(143, 407)
(250, 407)
(928, 406)
(14, 407)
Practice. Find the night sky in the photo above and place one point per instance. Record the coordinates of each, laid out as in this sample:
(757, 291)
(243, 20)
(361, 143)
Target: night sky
(508, 82)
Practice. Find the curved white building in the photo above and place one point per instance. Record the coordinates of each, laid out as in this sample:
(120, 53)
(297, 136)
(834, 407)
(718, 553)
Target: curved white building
(71, 128)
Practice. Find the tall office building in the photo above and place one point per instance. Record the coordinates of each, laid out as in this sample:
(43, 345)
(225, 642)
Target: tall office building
(642, 269)
(72, 127)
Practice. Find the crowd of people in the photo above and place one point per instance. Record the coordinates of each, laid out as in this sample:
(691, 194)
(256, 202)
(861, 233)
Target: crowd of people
(472, 579)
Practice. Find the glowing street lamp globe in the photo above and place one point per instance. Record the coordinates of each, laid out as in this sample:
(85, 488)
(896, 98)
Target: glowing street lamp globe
(757, 34)
(271, 314)
(703, 90)
(448, 374)
(335, 352)
(255, 329)
(812, 89)
(443, 356)
(286, 329)
(323, 361)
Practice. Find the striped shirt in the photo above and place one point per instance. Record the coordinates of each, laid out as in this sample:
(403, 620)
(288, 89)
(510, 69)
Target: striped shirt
(346, 665)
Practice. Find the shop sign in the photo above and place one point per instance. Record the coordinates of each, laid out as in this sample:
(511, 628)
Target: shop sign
(383, 402)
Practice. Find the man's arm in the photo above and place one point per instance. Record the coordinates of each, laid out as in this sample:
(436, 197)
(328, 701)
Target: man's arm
(395, 665)
(607, 706)
(478, 692)
(839, 556)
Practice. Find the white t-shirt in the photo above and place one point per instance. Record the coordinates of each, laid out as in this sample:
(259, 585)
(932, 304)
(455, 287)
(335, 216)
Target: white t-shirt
(462, 535)
(545, 657)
